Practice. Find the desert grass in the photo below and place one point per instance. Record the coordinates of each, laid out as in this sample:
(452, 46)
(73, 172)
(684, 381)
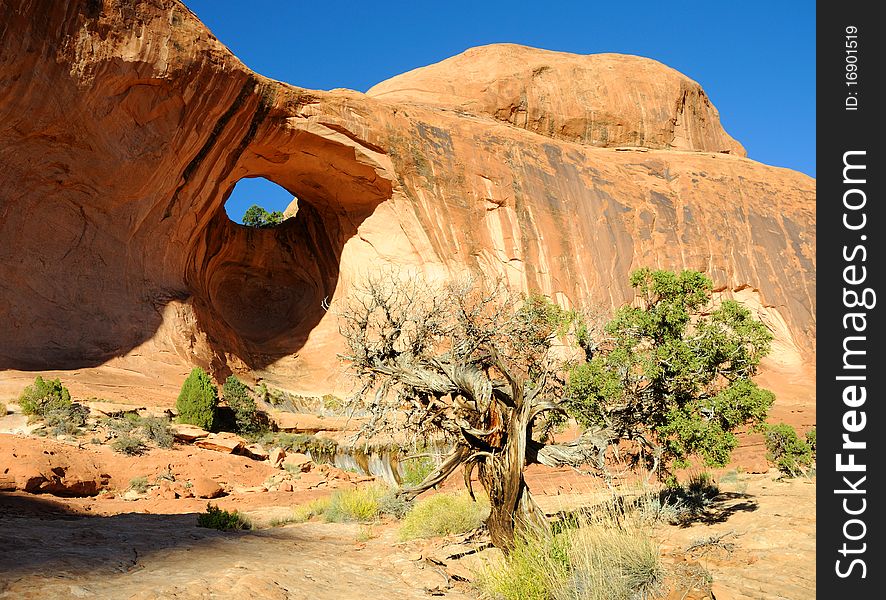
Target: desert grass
(601, 555)
(444, 514)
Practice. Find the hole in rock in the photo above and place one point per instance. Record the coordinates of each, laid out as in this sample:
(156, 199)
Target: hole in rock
(259, 202)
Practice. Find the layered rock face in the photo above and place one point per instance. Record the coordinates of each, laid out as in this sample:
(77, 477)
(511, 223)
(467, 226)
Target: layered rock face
(125, 125)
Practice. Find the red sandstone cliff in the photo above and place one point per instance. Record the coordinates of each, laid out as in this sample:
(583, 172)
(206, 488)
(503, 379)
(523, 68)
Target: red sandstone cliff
(125, 125)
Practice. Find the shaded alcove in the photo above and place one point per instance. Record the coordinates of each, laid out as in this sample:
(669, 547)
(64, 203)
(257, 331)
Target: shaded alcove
(258, 292)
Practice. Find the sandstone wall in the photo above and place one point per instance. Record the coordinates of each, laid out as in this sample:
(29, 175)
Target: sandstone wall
(125, 125)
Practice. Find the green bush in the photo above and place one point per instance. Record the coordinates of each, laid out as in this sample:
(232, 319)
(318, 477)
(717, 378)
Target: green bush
(792, 455)
(237, 396)
(810, 439)
(444, 514)
(198, 400)
(216, 518)
(44, 396)
(691, 499)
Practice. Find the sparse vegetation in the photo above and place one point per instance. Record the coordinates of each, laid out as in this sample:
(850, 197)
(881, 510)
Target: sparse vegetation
(216, 518)
(793, 456)
(317, 446)
(3, 409)
(444, 514)
(157, 430)
(198, 400)
(238, 396)
(129, 444)
(139, 484)
(693, 498)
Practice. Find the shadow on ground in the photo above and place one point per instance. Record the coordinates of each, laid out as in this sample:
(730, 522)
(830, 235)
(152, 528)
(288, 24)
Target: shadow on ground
(40, 535)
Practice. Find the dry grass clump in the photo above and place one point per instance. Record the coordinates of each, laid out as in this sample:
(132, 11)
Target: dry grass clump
(444, 514)
(604, 556)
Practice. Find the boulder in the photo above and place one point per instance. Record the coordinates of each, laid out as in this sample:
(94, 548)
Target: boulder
(297, 462)
(188, 433)
(204, 487)
(276, 457)
(255, 452)
(229, 443)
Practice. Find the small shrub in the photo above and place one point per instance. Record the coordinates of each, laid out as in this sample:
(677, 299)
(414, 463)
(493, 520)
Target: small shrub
(3, 410)
(216, 518)
(198, 400)
(65, 419)
(129, 444)
(139, 484)
(786, 450)
(122, 424)
(158, 431)
(443, 514)
(237, 396)
(44, 396)
(693, 498)
(393, 505)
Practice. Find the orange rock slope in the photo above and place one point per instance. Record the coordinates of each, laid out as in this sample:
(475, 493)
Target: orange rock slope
(125, 125)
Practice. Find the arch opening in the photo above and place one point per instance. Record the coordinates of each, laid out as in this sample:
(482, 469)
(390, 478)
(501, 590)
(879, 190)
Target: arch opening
(259, 202)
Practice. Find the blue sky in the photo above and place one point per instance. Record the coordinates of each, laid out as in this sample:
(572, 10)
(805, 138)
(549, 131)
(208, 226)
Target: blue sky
(755, 60)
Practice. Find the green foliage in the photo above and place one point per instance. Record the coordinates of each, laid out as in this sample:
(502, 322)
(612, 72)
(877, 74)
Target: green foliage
(129, 444)
(246, 417)
(792, 455)
(314, 508)
(362, 504)
(543, 318)
(414, 471)
(197, 400)
(256, 216)
(216, 518)
(674, 372)
(444, 514)
(810, 439)
(44, 396)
